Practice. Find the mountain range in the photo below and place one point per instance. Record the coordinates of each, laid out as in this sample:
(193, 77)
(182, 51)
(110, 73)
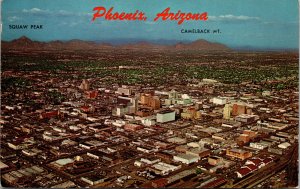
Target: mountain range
(24, 43)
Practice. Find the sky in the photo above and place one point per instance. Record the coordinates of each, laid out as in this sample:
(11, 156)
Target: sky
(253, 23)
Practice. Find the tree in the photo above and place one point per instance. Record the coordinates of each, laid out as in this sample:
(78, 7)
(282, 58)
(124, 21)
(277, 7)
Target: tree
(198, 171)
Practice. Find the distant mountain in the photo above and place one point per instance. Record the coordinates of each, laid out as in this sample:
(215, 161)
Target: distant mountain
(24, 43)
(202, 45)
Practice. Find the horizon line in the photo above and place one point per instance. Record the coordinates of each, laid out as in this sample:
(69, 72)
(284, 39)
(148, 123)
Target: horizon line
(122, 41)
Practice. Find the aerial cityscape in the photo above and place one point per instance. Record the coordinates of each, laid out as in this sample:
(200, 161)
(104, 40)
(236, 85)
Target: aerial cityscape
(149, 94)
(143, 115)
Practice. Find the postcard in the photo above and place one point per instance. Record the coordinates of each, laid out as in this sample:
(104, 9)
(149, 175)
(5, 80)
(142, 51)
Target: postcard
(149, 93)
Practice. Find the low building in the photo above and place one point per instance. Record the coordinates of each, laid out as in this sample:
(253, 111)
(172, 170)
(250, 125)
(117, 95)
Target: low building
(180, 175)
(145, 149)
(245, 118)
(277, 126)
(3, 165)
(220, 136)
(148, 122)
(150, 160)
(244, 138)
(137, 163)
(231, 123)
(275, 151)
(186, 158)
(144, 112)
(160, 144)
(190, 113)
(200, 152)
(31, 152)
(256, 162)
(243, 171)
(22, 175)
(165, 116)
(214, 160)
(219, 100)
(62, 163)
(177, 140)
(266, 93)
(182, 148)
(93, 179)
(258, 145)
(284, 145)
(193, 144)
(17, 145)
(133, 127)
(124, 91)
(238, 153)
(164, 168)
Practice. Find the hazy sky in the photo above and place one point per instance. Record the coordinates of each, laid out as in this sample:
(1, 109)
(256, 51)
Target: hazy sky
(256, 23)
